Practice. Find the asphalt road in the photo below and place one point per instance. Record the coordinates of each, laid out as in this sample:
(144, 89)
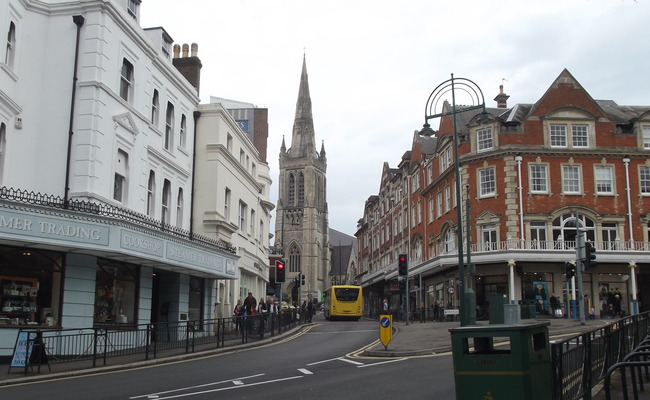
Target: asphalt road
(321, 363)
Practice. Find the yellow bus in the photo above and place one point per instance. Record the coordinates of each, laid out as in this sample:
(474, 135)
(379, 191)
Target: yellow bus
(344, 302)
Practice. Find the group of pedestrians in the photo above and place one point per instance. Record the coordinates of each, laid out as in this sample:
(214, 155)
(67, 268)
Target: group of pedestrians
(250, 307)
(308, 309)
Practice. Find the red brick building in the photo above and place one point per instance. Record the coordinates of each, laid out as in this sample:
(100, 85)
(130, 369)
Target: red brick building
(529, 176)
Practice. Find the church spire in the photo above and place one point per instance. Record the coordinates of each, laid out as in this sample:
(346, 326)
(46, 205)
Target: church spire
(303, 137)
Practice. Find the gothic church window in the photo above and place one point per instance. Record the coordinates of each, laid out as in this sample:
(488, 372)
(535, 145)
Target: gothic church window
(294, 259)
(301, 189)
(292, 190)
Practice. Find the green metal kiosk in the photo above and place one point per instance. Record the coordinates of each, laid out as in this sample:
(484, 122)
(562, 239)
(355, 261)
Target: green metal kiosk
(502, 362)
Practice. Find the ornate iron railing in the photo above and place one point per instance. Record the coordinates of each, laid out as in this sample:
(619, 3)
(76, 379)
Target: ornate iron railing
(106, 210)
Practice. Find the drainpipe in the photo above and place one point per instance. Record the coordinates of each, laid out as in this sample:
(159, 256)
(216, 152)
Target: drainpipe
(79, 21)
(196, 114)
(522, 233)
(632, 265)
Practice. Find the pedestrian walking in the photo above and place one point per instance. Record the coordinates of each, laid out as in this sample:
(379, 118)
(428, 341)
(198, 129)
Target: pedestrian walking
(310, 310)
(237, 313)
(555, 306)
(250, 305)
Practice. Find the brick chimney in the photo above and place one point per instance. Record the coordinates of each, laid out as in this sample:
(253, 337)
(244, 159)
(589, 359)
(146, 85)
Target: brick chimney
(502, 98)
(189, 66)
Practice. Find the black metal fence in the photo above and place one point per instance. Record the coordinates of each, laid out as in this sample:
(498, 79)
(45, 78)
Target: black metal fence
(90, 347)
(582, 361)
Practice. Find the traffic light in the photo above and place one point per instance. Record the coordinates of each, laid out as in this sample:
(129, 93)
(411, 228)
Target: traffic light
(570, 270)
(403, 265)
(279, 271)
(590, 256)
(302, 280)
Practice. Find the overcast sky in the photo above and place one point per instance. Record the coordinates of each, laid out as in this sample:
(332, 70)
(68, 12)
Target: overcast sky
(373, 63)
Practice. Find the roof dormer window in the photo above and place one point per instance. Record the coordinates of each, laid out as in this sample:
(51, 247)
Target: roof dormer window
(133, 7)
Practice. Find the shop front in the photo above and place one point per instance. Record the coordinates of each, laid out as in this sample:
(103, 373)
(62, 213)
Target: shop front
(65, 269)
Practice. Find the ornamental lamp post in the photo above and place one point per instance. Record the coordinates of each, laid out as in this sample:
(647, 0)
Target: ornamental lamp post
(435, 108)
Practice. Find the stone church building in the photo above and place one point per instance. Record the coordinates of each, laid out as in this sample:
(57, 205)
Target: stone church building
(301, 225)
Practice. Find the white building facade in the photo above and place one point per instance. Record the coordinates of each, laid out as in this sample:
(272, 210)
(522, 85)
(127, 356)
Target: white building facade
(96, 173)
(232, 199)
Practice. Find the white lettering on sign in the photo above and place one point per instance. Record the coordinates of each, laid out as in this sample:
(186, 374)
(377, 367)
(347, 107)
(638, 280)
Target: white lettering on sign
(194, 257)
(19, 224)
(140, 243)
(69, 231)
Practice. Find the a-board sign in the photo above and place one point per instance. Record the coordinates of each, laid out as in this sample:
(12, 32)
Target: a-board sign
(22, 350)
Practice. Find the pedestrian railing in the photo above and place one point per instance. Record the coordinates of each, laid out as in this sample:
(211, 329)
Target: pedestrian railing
(638, 362)
(94, 346)
(581, 362)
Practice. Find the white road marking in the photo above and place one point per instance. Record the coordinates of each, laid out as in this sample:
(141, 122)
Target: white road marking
(350, 361)
(305, 371)
(194, 387)
(323, 361)
(380, 363)
(230, 388)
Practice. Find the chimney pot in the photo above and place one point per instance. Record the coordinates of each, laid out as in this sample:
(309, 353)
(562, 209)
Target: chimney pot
(186, 49)
(177, 50)
(195, 49)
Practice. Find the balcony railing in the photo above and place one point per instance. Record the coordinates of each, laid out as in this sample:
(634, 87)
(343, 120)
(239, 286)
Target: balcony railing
(119, 213)
(547, 245)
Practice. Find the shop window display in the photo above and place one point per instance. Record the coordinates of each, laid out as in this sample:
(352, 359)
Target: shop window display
(30, 287)
(115, 293)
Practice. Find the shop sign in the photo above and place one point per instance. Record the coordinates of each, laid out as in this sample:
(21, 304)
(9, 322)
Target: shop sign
(14, 223)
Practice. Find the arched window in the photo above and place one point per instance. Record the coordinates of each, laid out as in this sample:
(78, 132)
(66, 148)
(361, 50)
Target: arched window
(183, 132)
(121, 173)
(169, 127)
(294, 258)
(179, 208)
(166, 201)
(155, 105)
(301, 188)
(151, 194)
(292, 190)
(11, 45)
(450, 244)
(564, 230)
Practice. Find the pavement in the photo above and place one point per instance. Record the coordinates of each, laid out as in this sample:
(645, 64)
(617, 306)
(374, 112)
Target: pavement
(410, 339)
(416, 338)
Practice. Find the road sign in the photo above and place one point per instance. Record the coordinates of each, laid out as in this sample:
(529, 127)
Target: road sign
(451, 290)
(385, 329)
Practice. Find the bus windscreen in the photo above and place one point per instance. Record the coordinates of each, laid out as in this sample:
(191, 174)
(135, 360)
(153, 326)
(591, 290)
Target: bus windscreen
(346, 294)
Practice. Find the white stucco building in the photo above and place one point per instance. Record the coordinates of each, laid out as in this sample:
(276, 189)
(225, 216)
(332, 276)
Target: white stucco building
(96, 172)
(232, 193)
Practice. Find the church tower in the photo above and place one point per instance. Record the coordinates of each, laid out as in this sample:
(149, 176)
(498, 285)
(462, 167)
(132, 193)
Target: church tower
(301, 224)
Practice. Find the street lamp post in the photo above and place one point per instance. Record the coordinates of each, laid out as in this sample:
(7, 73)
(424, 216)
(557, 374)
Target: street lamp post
(467, 296)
